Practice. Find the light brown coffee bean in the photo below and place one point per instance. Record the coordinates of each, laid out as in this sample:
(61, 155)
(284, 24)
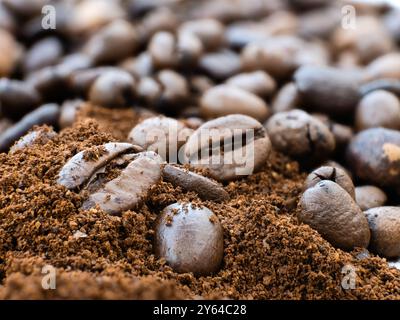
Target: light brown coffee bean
(319, 23)
(190, 239)
(286, 99)
(221, 64)
(330, 210)
(38, 136)
(257, 82)
(389, 85)
(368, 197)
(385, 66)
(10, 53)
(139, 66)
(160, 19)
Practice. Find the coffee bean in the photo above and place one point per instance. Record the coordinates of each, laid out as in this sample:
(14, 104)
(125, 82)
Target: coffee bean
(162, 135)
(5, 124)
(80, 81)
(130, 188)
(190, 239)
(386, 66)
(10, 53)
(81, 166)
(139, 66)
(190, 48)
(368, 197)
(240, 34)
(308, 4)
(374, 156)
(286, 99)
(319, 23)
(332, 163)
(25, 8)
(390, 85)
(113, 89)
(7, 20)
(330, 210)
(68, 112)
(46, 114)
(327, 89)
(220, 64)
(38, 136)
(384, 223)
(160, 19)
(190, 181)
(378, 109)
(333, 174)
(257, 82)
(223, 100)
(298, 134)
(229, 147)
(193, 122)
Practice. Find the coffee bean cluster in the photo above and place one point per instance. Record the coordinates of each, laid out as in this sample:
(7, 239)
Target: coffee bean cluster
(286, 71)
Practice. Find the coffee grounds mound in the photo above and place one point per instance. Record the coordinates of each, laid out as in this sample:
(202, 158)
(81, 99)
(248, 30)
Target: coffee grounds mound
(268, 254)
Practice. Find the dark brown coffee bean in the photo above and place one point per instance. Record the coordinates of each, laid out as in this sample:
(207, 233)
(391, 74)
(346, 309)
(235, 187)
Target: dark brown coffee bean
(81, 166)
(46, 114)
(330, 210)
(333, 174)
(368, 197)
(38, 136)
(390, 85)
(378, 109)
(209, 31)
(5, 124)
(327, 90)
(374, 155)
(190, 181)
(384, 223)
(286, 99)
(384, 67)
(319, 23)
(297, 133)
(80, 81)
(190, 239)
(257, 82)
(25, 8)
(229, 147)
(68, 112)
(223, 100)
(113, 89)
(308, 4)
(221, 64)
(139, 66)
(130, 188)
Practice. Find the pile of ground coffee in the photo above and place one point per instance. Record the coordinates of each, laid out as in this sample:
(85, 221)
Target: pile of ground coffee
(268, 254)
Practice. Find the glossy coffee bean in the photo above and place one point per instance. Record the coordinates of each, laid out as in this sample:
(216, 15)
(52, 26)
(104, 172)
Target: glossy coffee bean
(330, 210)
(190, 239)
(374, 156)
(384, 223)
(286, 99)
(378, 109)
(257, 82)
(368, 197)
(228, 147)
(298, 134)
(10, 53)
(334, 174)
(38, 136)
(220, 64)
(80, 81)
(385, 66)
(223, 100)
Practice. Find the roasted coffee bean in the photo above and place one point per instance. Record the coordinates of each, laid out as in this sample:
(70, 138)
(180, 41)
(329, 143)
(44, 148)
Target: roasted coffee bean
(193, 122)
(221, 64)
(308, 4)
(327, 89)
(190, 239)
(160, 19)
(5, 124)
(223, 100)
(240, 34)
(46, 114)
(113, 89)
(330, 210)
(130, 188)
(40, 135)
(319, 23)
(378, 109)
(10, 53)
(374, 156)
(333, 174)
(229, 147)
(190, 181)
(298, 134)
(368, 197)
(384, 67)
(68, 112)
(200, 84)
(384, 223)
(286, 99)
(257, 82)
(332, 163)
(139, 66)
(7, 20)
(25, 8)
(390, 85)
(162, 135)
(80, 81)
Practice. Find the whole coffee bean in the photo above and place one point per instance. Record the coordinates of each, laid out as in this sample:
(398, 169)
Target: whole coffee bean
(190, 181)
(221, 64)
(200, 84)
(240, 34)
(327, 89)
(190, 239)
(102, 47)
(130, 188)
(286, 99)
(390, 85)
(330, 210)
(80, 81)
(257, 82)
(298, 134)
(139, 66)
(229, 147)
(332, 163)
(190, 48)
(68, 112)
(113, 89)
(333, 174)
(160, 19)
(38, 136)
(378, 109)
(81, 166)
(46, 114)
(223, 100)
(368, 197)
(308, 4)
(10, 53)
(162, 135)
(386, 66)
(319, 23)
(374, 156)
(384, 223)
(193, 122)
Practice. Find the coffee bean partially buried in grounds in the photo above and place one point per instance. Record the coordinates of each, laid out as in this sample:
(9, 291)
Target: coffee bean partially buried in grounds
(333, 174)
(190, 239)
(330, 210)
(229, 147)
(38, 136)
(374, 156)
(384, 223)
(368, 197)
(299, 134)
